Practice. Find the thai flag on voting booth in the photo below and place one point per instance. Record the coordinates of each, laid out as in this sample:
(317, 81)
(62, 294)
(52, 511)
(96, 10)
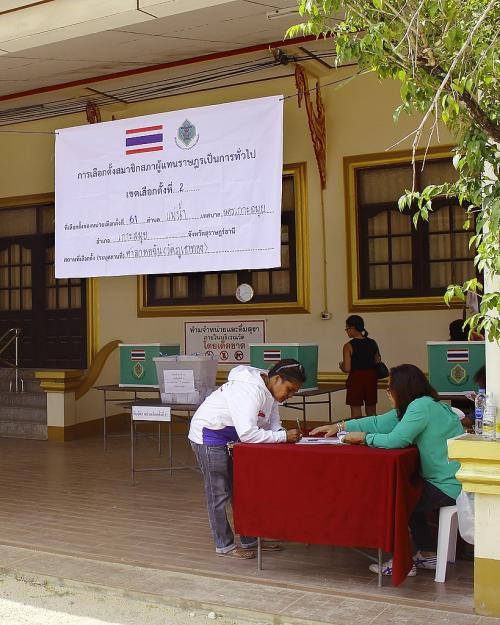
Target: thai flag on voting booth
(453, 364)
(266, 355)
(136, 362)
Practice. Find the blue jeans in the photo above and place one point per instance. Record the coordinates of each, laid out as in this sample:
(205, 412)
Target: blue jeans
(217, 468)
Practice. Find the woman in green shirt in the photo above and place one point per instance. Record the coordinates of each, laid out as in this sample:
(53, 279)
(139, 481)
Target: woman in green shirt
(418, 418)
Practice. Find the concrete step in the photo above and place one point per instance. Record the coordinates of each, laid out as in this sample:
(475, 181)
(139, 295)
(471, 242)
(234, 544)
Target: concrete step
(24, 414)
(34, 400)
(16, 429)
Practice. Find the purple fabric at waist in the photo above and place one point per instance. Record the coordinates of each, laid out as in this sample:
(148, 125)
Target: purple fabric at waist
(219, 437)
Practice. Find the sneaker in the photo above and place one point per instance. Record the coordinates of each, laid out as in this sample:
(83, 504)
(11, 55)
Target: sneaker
(387, 569)
(240, 554)
(423, 562)
(265, 545)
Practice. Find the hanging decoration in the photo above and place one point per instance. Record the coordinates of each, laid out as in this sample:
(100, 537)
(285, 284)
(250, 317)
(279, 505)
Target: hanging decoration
(317, 128)
(93, 113)
(317, 121)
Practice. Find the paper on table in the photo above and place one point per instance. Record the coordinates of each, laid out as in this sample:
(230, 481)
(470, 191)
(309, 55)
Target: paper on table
(314, 440)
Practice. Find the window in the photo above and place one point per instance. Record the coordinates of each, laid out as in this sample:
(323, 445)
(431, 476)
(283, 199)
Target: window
(278, 290)
(392, 264)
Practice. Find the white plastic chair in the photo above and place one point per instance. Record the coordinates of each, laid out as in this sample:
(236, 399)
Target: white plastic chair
(447, 540)
(460, 413)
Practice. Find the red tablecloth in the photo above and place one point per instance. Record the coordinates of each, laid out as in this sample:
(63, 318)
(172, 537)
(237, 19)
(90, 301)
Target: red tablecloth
(351, 496)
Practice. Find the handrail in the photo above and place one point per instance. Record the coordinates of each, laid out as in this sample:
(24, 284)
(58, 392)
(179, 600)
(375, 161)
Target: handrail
(16, 383)
(95, 368)
(8, 341)
(14, 330)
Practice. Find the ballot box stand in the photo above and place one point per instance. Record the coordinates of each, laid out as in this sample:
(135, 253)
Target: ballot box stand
(153, 411)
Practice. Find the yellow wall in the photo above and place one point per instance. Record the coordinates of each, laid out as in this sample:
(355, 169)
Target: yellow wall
(359, 121)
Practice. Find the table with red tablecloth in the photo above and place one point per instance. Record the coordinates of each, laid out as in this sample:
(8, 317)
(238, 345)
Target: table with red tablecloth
(345, 495)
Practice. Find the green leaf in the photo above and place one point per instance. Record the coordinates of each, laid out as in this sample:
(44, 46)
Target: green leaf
(433, 9)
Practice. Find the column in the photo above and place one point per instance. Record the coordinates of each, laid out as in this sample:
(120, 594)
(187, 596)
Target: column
(60, 387)
(480, 474)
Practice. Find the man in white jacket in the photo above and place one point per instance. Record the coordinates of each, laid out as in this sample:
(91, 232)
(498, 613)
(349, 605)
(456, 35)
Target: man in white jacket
(244, 409)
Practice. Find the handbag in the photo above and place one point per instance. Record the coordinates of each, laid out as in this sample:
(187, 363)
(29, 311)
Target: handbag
(382, 370)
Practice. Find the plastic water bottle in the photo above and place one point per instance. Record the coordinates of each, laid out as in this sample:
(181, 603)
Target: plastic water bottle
(479, 404)
(490, 418)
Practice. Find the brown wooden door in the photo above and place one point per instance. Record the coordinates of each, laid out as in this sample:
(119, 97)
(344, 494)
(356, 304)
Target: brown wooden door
(51, 313)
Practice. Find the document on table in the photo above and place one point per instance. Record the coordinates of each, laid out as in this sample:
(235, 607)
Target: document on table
(314, 440)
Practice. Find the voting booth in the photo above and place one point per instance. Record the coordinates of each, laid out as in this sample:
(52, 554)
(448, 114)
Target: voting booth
(136, 362)
(453, 364)
(185, 379)
(266, 355)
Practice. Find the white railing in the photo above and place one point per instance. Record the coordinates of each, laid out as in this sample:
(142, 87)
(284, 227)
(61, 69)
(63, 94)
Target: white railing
(16, 384)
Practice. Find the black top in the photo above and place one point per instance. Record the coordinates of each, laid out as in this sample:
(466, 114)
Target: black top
(364, 352)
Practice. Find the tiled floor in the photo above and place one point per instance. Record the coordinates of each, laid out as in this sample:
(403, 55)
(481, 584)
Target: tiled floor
(77, 499)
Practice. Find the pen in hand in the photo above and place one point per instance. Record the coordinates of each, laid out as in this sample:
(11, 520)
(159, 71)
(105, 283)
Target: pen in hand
(299, 427)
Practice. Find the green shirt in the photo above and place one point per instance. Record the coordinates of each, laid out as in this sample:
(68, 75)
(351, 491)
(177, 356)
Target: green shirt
(428, 424)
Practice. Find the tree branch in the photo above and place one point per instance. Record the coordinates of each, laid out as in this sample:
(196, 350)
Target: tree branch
(446, 79)
(491, 128)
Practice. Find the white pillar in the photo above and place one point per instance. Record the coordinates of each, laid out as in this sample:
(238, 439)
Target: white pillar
(492, 349)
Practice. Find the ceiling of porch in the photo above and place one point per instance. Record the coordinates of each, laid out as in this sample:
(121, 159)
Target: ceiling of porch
(47, 71)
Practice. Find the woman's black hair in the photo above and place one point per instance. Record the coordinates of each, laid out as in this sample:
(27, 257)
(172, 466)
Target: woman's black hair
(480, 377)
(457, 333)
(290, 370)
(408, 383)
(357, 322)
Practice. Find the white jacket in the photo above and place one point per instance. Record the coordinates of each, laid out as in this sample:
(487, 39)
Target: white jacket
(242, 408)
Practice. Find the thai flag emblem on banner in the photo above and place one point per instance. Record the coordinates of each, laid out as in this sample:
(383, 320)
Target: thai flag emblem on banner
(457, 355)
(146, 139)
(137, 354)
(271, 354)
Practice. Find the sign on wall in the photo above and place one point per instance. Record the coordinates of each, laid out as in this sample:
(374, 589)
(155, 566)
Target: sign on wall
(228, 340)
(191, 190)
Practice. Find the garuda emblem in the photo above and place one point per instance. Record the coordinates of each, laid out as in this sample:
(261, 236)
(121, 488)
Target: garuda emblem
(186, 135)
(458, 375)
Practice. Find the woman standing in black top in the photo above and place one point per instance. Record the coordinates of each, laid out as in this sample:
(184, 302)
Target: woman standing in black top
(360, 355)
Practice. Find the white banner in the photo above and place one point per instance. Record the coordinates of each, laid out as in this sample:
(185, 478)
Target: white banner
(228, 340)
(191, 190)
